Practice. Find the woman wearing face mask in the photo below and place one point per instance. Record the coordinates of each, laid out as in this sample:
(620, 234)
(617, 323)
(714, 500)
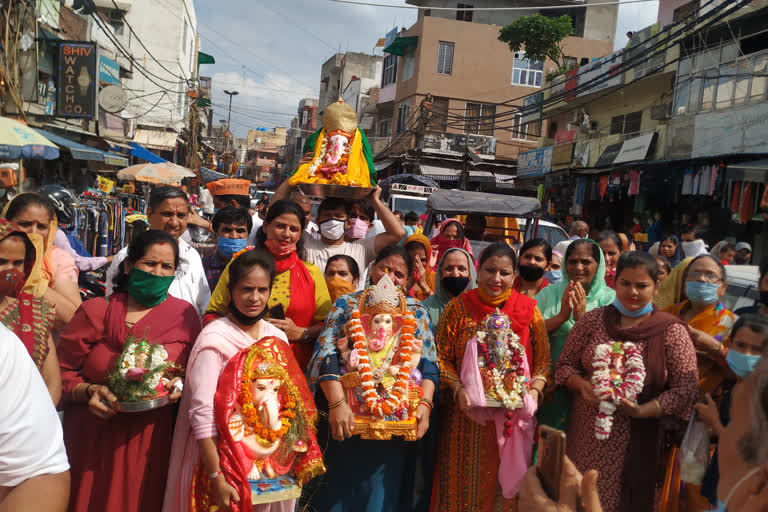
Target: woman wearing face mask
(582, 289)
(299, 289)
(628, 456)
(54, 275)
(421, 284)
(612, 247)
(535, 257)
(252, 274)
(467, 448)
(555, 272)
(119, 461)
(366, 475)
(341, 275)
(29, 317)
(746, 345)
(450, 234)
(457, 274)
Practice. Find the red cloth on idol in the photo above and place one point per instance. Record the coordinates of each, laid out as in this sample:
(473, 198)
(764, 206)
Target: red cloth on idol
(121, 463)
(518, 308)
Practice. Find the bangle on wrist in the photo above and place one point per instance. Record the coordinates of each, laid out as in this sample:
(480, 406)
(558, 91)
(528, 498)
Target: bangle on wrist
(337, 403)
(215, 475)
(427, 402)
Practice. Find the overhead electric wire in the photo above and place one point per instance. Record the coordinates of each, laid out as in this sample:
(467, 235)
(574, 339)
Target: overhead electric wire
(304, 30)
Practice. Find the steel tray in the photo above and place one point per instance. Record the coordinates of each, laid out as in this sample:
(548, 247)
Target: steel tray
(143, 406)
(330, 190)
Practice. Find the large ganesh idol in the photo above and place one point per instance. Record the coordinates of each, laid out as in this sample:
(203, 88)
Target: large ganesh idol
(340, 153)
(380, 356)
(265, 417)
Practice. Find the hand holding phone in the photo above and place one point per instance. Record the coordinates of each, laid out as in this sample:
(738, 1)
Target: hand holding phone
(277, 312)
(550, 464)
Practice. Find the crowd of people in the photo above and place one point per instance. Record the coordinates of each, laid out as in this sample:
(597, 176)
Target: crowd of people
(287, 273)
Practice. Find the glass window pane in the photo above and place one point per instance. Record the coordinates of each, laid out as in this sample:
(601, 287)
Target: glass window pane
(684, 67)
(725, 86)
(729, 52)
(520, 63)
(516, 76)
(682, 96)
(538, 79)
(708, 59)
(741, 85)
(708, 93)
(759, 82)
(537, 65)
(695, 102)
(523, 77)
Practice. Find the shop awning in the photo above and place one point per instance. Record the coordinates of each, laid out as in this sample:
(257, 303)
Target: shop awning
(451, 173)
(156, 139)
(401, 44)
(83, 152)
(209, 175)
(380, 166)
(143, 153)
(754, 170)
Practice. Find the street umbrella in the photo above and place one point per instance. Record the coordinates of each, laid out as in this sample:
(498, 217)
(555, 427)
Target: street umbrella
(20, 141)
(161, 173)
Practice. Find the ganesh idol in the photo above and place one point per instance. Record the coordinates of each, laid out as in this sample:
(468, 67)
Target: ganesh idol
(265, 417)
(379, 357)
(339, 153)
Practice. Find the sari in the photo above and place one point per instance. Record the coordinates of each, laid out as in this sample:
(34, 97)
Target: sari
(466, 478)
(416, 292)
(29, 317)
(554, 411)
(219, 341)
(299, 287)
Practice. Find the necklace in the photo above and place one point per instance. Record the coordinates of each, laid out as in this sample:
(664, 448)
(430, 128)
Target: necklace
(384, 404)
(619, 373)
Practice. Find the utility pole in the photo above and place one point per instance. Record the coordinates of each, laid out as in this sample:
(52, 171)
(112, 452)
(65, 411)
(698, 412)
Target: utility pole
(465, 170)
(193, 162)
(229, 115)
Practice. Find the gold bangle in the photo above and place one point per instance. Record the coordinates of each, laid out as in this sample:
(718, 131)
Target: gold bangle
(426, 401)
(336, 403)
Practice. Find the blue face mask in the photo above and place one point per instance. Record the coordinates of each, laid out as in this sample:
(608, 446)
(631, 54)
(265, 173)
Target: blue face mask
(229, 246)
(701, 293)
(632, 314)
(741, 364)
(553, 276)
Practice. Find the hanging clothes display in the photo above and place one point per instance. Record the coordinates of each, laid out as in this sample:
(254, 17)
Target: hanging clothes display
(100, 224)
(634, 183)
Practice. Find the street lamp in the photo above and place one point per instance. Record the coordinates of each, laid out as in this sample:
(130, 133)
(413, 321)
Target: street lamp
(229, 116)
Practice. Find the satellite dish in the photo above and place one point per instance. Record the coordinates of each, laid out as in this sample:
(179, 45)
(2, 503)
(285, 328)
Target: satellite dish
(112, 99)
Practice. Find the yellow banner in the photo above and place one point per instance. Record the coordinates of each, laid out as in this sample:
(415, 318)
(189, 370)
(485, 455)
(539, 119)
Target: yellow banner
(106, 185)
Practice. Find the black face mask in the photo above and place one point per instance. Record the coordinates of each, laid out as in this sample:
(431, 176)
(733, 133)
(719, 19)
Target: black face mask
(243, 318)
(763, 299)
(455, 285)
(530, 273)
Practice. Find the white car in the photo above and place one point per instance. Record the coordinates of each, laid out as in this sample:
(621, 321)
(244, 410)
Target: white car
(743, 282)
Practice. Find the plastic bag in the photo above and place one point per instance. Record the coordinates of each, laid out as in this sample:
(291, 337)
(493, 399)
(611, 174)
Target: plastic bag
(694, 452)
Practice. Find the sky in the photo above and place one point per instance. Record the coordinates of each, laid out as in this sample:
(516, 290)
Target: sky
(271, 51)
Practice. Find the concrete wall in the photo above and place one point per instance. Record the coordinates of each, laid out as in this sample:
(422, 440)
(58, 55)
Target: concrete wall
(667, 10)
(340, 69)
(276, 137)
(600, 22)
(477, 53)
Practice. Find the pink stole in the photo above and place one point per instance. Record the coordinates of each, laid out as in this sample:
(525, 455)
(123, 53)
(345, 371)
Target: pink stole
(514, 451)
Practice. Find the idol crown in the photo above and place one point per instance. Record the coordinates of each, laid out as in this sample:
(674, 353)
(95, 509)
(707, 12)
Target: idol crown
(340, 117)
(496, 321)
(383, 297)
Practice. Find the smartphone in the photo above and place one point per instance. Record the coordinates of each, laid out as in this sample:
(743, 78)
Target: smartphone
(277, 312)
(550, 464)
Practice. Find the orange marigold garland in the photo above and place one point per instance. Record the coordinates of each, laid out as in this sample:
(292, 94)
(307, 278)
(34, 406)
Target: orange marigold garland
(384, 406)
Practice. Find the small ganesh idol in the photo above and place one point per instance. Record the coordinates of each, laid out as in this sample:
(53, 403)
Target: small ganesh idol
(265, 416)
(496, 376)
(380, 356)
(143, 373)
(341, 154)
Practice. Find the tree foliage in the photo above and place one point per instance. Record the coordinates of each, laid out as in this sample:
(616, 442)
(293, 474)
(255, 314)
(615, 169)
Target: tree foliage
(541, 37)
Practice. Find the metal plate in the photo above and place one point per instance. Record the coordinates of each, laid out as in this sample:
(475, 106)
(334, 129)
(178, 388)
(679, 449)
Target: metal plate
(143, 406)
(328, 190)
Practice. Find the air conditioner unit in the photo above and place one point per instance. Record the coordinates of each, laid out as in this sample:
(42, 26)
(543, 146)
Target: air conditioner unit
(661, 112)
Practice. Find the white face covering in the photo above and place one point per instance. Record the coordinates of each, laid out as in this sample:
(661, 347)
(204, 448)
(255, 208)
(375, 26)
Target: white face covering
(723, 505)
(332, 229)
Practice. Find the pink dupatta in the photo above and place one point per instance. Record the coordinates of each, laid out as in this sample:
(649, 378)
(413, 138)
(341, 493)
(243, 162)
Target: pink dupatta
(514, 451)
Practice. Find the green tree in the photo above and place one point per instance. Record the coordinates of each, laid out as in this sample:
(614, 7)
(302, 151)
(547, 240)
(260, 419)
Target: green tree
(541, 37)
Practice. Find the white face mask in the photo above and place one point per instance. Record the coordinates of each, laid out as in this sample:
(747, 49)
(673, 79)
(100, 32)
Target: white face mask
(723, 505)
(332, 229)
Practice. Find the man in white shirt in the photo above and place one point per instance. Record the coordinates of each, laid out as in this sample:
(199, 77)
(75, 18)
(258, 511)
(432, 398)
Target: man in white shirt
(168, 211)
(34, 470)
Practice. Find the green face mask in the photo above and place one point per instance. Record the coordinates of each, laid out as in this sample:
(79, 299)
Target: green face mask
(148, 289)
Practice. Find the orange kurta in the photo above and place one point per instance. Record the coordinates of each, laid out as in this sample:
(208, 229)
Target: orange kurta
(468, 455)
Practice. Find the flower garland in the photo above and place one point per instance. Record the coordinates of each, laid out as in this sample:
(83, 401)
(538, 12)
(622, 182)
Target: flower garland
(251, 414)
(611, 389)
(382, 406)
(512, 399)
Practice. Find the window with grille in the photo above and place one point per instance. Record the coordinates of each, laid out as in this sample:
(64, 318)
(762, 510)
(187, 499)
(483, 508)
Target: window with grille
(403, 113)
(480, 118)
(462, 14)
(408, 61)
(389, 74)
(629, 123)
(445, 58)
(526, 72)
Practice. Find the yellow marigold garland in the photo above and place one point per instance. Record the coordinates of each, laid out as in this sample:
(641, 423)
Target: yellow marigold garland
(383, 406)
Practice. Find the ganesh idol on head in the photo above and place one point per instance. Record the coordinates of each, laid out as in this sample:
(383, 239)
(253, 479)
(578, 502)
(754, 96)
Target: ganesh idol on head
(381, 356)
(338, 154)
(265, 417)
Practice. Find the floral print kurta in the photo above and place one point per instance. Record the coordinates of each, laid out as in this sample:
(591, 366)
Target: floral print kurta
(467, 452)
(607, 456)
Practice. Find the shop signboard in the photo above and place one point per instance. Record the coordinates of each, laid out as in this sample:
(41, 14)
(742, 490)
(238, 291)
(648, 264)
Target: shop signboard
(534, 163)
(109, 71)
(562, 155)
(76, 80)
(390, 37)
(531, 110)
(635, 149)
(592, 75)
(565, 137)
(106, 185)
(454, 144)
(609, 155)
